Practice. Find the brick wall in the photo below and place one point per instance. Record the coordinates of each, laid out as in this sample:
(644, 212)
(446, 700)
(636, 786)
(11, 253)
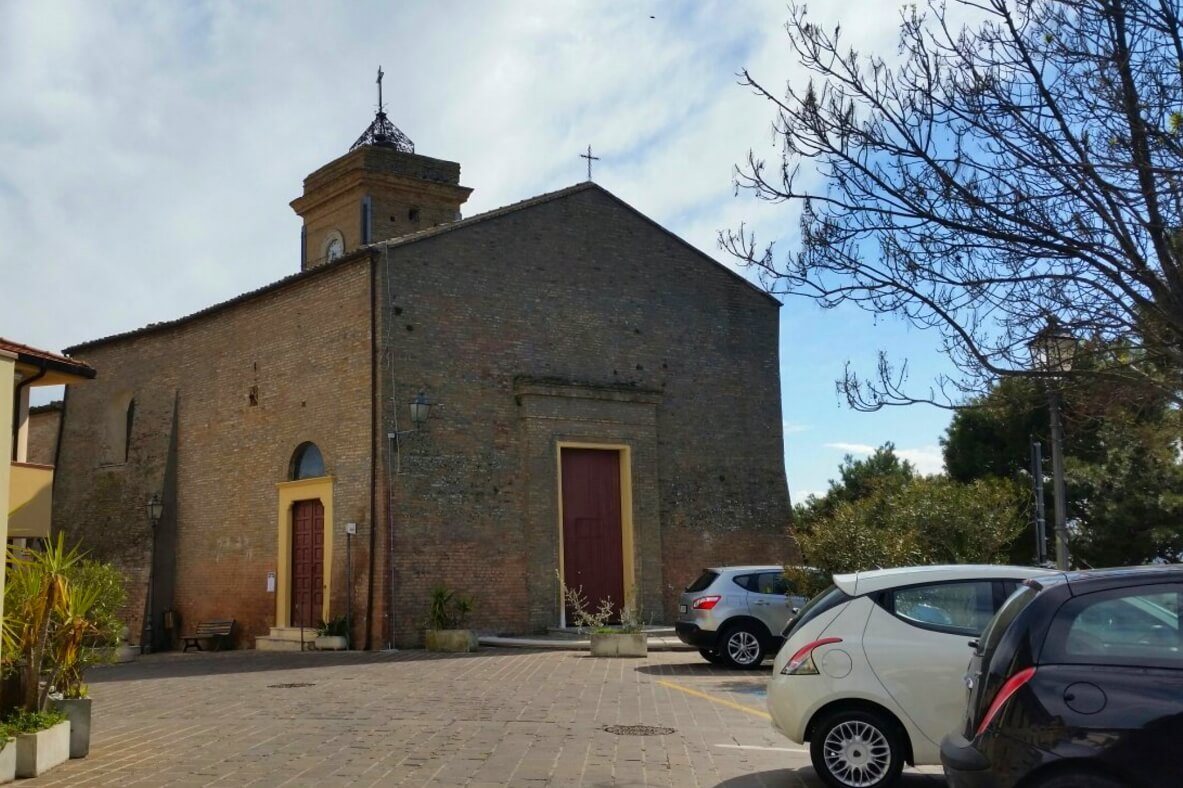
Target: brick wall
(301, 353)
(577, 290)
(407, 193)
(574, 319)
(44, 422)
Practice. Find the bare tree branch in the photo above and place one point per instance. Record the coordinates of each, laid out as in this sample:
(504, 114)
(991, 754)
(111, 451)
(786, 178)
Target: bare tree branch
(992, 178)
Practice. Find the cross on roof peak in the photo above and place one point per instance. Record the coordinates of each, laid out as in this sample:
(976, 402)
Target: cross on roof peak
(590, 158)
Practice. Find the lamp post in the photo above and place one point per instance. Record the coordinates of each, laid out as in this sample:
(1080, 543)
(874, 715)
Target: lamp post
(154, 509)
(1053, 349)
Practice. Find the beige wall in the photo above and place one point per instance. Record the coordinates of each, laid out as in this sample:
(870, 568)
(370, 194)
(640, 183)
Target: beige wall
(7, 383)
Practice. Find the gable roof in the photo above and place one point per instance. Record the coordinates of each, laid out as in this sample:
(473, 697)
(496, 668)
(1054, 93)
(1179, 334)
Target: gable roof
(496, 213)
(364, 252)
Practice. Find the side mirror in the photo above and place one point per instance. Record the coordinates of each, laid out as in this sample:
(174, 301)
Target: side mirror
(973, 644)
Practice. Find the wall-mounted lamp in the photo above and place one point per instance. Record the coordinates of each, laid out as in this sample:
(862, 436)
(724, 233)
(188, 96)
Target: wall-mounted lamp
(155, 509)
(420, 409)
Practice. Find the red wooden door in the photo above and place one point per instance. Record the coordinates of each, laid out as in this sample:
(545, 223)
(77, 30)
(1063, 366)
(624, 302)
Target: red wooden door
(308, 561)
(593, 555)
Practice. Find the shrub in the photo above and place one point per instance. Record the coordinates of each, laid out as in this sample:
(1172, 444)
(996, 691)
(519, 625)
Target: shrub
(449, 610)
(24, 721)
(334, 627)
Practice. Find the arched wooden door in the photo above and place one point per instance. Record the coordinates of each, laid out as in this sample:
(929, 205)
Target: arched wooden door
(593, 550)
(308, 558)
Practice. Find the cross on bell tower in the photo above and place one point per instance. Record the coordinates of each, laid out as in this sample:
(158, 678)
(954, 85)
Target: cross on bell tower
(381, 131)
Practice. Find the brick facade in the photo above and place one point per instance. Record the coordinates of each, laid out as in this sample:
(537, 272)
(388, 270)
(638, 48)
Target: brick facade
(569, 318)
(44, 423)
(303, 352)
(577, 319)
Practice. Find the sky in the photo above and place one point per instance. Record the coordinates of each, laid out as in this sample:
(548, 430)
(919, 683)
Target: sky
(148, 153)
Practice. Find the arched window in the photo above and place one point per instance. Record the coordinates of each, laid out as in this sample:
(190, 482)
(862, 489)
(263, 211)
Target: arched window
(307, 462)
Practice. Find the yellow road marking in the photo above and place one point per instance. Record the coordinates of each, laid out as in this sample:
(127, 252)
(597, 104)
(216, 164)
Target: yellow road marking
(713, 699)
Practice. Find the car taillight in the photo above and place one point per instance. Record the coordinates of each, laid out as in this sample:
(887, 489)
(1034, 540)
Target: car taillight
(1009, 688)
(801, 663)
(706, 602)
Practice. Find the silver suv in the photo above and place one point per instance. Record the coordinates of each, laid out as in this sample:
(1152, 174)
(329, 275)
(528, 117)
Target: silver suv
(734, 615)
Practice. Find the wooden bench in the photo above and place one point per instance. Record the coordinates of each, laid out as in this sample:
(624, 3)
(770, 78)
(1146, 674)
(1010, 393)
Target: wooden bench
(216, 632)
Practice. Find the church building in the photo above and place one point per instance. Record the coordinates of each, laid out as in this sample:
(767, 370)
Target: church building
(556, 388)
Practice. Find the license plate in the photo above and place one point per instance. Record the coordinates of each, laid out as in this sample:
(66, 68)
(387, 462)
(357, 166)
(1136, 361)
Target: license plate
(681, 608)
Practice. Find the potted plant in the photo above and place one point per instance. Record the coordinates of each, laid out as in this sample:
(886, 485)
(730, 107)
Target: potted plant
(61, 619)
(333, 635)
(69, 656)
(7, 754)
(626, 639)
(445, 622)
(42, 740)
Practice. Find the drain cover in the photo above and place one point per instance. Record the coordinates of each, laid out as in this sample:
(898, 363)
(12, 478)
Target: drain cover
(639, 730)
(291, 686)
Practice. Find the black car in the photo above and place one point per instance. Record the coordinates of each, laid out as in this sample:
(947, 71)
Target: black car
(1077, 682)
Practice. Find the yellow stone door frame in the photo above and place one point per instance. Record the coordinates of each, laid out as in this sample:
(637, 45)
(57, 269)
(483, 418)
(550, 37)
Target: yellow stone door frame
(318, 488)
(626, 515)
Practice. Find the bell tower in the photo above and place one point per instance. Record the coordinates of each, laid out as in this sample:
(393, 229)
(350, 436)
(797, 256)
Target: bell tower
(380, 189)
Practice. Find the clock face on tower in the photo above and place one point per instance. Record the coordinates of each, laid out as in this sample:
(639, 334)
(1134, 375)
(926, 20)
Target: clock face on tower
(334, 248)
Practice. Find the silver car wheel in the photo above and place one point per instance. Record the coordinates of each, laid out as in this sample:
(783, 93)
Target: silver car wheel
(857, 753)
(743, 647)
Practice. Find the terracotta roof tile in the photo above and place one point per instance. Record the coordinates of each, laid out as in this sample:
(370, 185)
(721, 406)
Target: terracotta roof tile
(28, 353)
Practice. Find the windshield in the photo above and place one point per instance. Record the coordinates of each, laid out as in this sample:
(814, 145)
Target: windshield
(826, 600)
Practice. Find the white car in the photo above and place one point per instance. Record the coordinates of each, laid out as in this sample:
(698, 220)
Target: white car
(872, 670)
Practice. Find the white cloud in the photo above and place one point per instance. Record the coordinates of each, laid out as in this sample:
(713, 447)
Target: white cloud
(928, 460)
(852, 448)
(148, 179)
(789, 428)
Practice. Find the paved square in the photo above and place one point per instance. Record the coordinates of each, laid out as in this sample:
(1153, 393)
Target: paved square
(497, 717)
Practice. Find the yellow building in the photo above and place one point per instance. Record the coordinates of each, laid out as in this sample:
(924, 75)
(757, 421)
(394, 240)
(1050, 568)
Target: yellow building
(26, 488)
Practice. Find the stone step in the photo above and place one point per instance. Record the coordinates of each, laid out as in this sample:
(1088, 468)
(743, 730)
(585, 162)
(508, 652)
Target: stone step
(653, 630)
(264, 643)
(292, 633)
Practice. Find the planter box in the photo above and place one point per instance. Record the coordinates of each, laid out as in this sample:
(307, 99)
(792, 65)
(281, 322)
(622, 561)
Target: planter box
(8, 762)
(37, 753)
(331, 643)
(619, 644)
(77, 712)
(452, 640)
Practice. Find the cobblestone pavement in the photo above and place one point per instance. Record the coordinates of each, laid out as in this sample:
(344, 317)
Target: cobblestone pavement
(497, 717)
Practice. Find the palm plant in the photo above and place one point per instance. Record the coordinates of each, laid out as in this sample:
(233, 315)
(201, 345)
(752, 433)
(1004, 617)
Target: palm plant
(71, 649)
(36, 601)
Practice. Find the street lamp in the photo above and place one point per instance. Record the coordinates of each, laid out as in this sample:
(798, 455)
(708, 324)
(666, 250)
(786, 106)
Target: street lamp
(1053, 350)
(154, 508)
